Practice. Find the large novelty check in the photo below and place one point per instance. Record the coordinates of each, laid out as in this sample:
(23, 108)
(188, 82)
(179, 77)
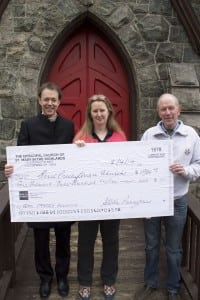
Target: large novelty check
(98, 181)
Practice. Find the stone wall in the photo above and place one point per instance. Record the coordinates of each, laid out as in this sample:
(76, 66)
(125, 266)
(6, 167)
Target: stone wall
(196, 7)
(148, 33)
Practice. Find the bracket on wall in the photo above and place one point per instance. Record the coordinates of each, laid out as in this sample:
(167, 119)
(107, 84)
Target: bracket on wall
(189, 20)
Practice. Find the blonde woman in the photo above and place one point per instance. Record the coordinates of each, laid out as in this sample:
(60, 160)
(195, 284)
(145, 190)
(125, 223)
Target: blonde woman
(100, 126)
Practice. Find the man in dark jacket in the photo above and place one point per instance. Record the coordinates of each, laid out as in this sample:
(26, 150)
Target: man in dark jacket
(49, 128)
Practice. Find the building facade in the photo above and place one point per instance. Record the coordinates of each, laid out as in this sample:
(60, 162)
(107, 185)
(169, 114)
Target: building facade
(131, 50)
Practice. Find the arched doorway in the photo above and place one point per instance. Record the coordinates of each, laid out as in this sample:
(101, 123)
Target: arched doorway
(87, 64)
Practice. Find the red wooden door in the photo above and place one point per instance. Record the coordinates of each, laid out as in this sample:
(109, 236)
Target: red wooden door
(88, 65)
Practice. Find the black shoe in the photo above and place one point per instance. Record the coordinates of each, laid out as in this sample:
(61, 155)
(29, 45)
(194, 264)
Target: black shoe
(63, 287)
(173, 296)
(45, 289)
(144, 293)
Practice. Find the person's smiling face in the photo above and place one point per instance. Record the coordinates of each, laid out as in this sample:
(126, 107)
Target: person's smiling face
(49, 102)
(99, 114)
(168, 110)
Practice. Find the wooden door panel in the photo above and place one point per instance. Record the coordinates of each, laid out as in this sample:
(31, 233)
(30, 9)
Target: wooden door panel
(100, 84)
(87, 65)
(104, 60)
(71, 112)
(69, 72)
(74, 99)
(72, 56)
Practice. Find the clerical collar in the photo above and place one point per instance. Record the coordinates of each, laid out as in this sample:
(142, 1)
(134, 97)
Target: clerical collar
(51, 119)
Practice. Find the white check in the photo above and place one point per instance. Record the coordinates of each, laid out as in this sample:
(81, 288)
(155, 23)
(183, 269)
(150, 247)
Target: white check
(99, 181)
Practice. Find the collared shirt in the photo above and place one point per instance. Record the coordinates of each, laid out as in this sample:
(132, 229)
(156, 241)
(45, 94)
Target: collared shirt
(109, 134)
(170, 131)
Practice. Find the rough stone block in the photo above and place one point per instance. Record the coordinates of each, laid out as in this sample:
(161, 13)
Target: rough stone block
(154, 28)
(148, 73)
(163, 70)
(19, 10)
(8, 79)
(151, 89)
(23, 24)
(7, 129)
(183, 75)
(87, 2)
(18, 108)
(149, 118)
(103, 8)
(178, 35)
(169, 52)
(129, 33)
(36, 44)
(190, 56)
(160, 7)
(140, 8)
(142, 59)
(191, 119)
(122, 16)
(188, 97)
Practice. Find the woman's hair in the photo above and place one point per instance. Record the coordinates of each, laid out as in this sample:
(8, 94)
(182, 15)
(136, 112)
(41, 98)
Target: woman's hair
(88, 126)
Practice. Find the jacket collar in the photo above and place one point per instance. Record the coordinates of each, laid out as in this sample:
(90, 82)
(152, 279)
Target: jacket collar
(180, 129)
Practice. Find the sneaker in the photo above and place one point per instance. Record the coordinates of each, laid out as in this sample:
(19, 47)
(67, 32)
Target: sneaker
(84, 293)
(109, 292)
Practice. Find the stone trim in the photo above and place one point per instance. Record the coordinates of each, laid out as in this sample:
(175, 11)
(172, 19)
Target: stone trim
(3, 5)
(190, 22)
